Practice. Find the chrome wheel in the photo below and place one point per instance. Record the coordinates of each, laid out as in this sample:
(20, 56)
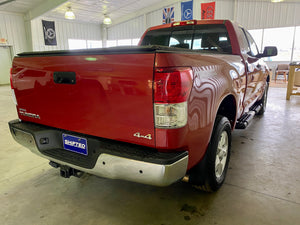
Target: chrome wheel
(209, 174)
(221, 156)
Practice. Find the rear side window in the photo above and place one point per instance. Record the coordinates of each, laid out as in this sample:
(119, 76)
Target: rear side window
(206, 38)
(214, 40)
(157, 37)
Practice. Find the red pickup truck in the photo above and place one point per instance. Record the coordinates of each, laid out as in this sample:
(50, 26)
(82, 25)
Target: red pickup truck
(152, 114)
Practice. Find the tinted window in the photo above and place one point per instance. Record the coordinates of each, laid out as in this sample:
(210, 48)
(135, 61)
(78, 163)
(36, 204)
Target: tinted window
(216, 39)
(181, 39)
(244, 41)
(252, 44)
(212, 38)
(157, 37)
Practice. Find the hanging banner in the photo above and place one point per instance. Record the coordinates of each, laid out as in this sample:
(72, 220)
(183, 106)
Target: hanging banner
(168, 15)
(187, 10)
(3, 41)
(49, 32)
(208, 11)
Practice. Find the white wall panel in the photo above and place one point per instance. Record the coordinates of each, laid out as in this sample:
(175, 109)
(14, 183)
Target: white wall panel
(130, 29)
(224, 9)
(262, 14)
(252, 14)
(12, 28)
(64, 30)
(134, 28)
(154, 18)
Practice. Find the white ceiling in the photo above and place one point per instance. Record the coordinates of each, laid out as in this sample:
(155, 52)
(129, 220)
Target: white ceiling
(91, 11)
(19, 6)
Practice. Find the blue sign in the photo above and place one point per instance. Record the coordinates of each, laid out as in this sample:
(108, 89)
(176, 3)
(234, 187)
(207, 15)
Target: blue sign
(187, 10)
(75, 144)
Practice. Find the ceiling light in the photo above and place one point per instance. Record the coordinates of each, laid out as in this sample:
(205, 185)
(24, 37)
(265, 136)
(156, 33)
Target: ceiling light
(107, 20)
(277, 0)
(69, 14)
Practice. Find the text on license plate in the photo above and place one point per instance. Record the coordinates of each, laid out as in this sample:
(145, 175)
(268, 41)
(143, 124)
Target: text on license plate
(75, 144)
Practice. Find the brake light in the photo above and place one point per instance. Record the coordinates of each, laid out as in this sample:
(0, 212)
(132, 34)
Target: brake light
(13, 95)
(172, 87)
(10, 77)
(183, 23)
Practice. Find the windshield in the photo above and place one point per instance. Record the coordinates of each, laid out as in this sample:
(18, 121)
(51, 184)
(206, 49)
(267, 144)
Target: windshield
(206, 37)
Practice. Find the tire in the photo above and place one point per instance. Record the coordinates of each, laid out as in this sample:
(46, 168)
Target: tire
(263, 100)
(210, 173)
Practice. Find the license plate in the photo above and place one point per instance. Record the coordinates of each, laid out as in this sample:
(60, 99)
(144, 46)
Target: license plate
(75, 144)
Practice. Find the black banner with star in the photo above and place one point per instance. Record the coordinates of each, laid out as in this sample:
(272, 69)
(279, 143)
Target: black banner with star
(49, 32)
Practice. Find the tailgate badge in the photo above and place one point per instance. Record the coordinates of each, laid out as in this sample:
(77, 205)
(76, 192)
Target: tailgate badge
(32, 115)
(138, 135)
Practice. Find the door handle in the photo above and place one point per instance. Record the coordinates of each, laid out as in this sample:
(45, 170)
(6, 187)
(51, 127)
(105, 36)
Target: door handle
(61, 77)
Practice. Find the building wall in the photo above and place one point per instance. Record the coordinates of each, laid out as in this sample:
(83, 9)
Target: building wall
(12, 28)
(129, 29)
(252, 14)
(224, 9)
(64, 30)
(265, 14)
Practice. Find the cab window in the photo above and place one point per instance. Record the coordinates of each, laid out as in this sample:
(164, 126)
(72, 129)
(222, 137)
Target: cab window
(253, 50)
(211, 38)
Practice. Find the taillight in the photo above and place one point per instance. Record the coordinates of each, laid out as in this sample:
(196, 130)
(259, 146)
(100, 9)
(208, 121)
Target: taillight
(12, 88)
(172, 87)
(11, 84)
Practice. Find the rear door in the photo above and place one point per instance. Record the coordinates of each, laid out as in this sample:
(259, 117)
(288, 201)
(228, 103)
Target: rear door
(110, 96)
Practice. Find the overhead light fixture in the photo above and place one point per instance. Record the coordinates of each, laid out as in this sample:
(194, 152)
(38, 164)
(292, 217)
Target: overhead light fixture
(107, 20)
(69, 14)
(277, 0)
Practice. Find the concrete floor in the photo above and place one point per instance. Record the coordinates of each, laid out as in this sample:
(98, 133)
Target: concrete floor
(262, 185)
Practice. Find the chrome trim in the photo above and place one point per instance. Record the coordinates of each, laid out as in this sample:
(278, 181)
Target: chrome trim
(115, 167)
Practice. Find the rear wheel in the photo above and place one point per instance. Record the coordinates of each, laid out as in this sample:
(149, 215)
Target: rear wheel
(210, 173)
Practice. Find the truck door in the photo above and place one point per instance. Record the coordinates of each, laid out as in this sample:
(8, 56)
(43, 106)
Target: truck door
(255, 72)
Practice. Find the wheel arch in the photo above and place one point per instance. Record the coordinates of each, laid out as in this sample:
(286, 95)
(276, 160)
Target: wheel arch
(228, 108)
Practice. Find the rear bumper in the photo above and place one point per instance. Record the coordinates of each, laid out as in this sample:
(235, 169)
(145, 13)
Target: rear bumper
(106, 158)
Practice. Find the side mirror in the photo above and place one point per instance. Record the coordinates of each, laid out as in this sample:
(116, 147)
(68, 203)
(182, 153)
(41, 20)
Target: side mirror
(268, 51)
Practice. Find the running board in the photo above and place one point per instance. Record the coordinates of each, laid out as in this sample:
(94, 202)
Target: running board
(245, 120)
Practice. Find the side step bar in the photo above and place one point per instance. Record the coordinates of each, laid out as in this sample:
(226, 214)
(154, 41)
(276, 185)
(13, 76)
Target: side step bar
(245, 120)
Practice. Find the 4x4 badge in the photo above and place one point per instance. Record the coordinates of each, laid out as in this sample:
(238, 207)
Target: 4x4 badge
(138, 135)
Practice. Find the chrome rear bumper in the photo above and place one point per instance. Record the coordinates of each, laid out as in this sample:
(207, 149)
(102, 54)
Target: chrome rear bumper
(109, 165)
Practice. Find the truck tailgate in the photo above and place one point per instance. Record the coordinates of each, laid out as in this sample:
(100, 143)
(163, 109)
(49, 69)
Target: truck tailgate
(104, 95)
